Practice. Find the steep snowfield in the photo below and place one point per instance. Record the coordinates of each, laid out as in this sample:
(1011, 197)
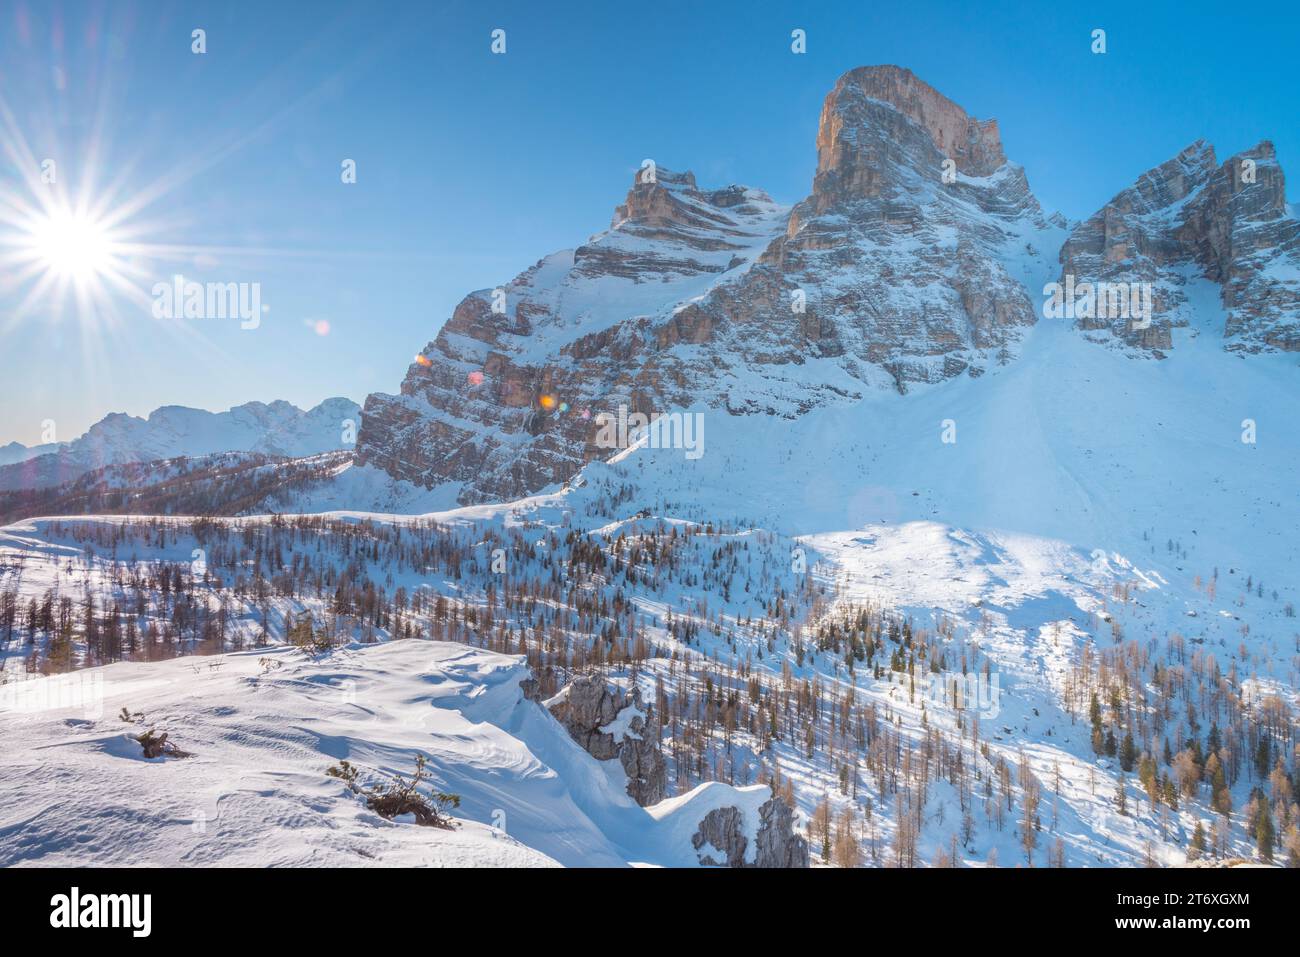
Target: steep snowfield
(1073, 441)
(262, 727)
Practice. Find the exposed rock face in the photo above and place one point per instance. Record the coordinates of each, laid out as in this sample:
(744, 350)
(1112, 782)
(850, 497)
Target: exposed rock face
(776, 844)
(1193, 218)
(593, 327)
(905, 268)
(847, 162)
(598, 718)
(890, 273)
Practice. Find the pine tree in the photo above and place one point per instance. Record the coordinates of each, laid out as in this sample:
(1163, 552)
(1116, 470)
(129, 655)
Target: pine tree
(1196, 849)
(1262, 757)
(1261, 818)
(1127, 752)
(822, 822)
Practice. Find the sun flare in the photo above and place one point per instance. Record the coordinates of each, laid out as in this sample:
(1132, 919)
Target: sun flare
(72, 245)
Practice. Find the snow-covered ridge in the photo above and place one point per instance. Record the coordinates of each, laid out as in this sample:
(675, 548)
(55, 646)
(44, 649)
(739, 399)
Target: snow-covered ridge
(278, 428)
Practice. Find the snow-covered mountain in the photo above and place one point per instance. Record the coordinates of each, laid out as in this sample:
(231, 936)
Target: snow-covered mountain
(17, 452)
(907, 264)
(937, 580)
(921, 256)
(582, 324)
(279, 428)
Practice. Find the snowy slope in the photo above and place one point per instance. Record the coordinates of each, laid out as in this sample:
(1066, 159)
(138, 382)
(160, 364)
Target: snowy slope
(1073, 441)
(262, 727)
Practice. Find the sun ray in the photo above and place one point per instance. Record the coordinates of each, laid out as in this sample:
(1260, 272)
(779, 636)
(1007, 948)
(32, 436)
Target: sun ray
(90, 246)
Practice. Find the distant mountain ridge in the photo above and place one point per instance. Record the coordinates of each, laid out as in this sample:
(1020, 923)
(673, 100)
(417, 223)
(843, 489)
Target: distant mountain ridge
(278, 428)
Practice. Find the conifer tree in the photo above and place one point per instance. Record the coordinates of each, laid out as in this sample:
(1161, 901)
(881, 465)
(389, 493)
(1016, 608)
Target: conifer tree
(1127, 752)
(1196, 849)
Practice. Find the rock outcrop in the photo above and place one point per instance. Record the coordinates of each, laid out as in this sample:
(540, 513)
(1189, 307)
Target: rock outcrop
(721, 840)
(609, 723)
(1193, 219)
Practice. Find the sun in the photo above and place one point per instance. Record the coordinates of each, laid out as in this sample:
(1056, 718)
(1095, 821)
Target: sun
(72, 245)
(73, 258)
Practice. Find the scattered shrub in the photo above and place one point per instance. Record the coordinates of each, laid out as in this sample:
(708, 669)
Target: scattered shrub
(157, 746)
(400, 796)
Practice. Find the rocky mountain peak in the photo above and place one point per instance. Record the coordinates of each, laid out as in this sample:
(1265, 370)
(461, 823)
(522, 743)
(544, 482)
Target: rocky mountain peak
(888, 138)
(652, 197)
(973, 145)
(663, 204)
(1171, 181)
(1190, 220)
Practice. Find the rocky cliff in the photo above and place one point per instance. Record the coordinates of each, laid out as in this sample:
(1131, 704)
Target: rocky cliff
(609, 723)
(1193, 218)
(908, 248)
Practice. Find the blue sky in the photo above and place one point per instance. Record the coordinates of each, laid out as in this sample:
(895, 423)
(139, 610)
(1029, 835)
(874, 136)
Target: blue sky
(473, 166)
